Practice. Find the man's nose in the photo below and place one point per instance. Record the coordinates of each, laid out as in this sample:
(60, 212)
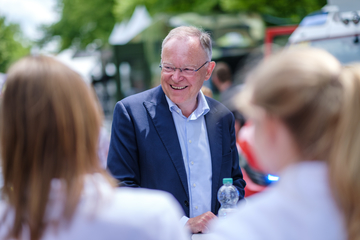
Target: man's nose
(177, 75)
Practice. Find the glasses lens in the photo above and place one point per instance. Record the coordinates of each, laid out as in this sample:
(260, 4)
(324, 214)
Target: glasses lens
(167, 68)
(189, 71)
(185, 71)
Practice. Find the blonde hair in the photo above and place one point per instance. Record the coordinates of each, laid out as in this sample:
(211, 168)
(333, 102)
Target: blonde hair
(318, 101)
(49, 129)
(345, 157)
(301, 88)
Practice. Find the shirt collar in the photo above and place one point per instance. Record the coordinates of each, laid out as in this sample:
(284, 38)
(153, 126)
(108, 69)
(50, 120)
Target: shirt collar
(202, 108)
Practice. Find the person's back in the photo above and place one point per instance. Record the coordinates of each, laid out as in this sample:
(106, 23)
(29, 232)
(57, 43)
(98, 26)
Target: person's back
(54, 186)
(302, 104)
(107, 213)
(291, 209)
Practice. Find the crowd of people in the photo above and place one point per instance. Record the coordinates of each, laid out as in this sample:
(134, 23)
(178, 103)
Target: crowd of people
(171, 147)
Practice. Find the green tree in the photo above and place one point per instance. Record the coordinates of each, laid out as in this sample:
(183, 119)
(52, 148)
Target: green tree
(124, 8)
(82, 22)
(11, 49)
(295, 10)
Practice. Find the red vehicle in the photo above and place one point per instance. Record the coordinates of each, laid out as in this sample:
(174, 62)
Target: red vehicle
(274, 33)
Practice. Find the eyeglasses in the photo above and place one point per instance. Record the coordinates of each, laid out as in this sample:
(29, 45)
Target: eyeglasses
(189, 71)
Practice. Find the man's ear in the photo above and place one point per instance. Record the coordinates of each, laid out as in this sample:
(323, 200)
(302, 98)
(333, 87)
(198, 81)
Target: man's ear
(209, 70)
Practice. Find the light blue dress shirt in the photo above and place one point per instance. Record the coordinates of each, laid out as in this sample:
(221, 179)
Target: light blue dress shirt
(194, 143)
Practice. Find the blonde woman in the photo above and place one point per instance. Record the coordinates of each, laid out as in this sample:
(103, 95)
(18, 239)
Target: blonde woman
(54, 186)
(304, 108)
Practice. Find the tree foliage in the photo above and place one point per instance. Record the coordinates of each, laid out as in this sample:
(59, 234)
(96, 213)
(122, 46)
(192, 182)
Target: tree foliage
(10, 49)
(294, 10)
(82, 22)
(124, 8)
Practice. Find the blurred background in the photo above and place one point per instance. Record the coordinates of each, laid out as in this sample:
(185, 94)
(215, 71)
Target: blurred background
(115, 44)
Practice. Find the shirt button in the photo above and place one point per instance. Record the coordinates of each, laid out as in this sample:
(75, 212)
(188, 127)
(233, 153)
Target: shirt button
(177, 111)
(192, 163)
(196, 207)
(194, 185)
(189, 141)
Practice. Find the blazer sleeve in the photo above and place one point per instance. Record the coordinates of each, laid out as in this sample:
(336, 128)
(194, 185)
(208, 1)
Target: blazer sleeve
(236, 174)
(123, 157)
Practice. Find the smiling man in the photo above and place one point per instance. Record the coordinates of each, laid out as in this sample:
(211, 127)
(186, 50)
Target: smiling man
(175, 139)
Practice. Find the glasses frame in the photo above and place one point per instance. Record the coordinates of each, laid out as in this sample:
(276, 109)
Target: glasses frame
(182, 69)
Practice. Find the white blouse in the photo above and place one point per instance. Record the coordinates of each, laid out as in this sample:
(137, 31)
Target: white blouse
(300, 206)
(108, 213)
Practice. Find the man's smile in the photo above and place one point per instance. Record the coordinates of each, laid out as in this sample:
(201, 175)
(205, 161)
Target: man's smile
(178, 88)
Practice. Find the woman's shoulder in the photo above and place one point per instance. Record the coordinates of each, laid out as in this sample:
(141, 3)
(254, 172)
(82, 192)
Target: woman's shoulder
(150, 201)
(125, 202)
(284, 208)
(126, 198)
(141, 214)
(126, 212)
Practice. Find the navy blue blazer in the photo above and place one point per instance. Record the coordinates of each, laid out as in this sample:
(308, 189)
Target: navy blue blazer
(145, 150)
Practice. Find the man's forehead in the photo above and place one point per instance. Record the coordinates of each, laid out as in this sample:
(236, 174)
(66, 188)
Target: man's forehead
(191, 40)
(193, 45)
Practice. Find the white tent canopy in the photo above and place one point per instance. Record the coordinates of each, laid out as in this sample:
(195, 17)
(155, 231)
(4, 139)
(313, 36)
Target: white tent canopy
(126, 30)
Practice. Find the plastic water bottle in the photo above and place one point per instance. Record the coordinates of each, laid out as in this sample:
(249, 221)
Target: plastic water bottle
(228, 196)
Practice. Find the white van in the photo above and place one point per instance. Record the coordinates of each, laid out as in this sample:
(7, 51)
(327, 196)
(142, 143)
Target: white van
(335, 28)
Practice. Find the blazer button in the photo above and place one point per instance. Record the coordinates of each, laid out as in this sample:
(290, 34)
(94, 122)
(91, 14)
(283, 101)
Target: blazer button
(186, 203)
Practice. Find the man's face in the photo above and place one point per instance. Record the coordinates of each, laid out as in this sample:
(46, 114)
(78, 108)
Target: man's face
(183, 89)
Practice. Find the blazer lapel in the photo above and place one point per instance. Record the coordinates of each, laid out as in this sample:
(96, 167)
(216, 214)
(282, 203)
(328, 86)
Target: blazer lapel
(214, 129)
(165, 127)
